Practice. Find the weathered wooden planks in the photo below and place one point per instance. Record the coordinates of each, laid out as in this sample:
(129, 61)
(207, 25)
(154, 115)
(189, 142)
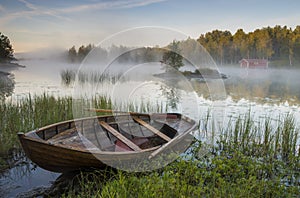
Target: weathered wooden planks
(121, 137)
(149, 127)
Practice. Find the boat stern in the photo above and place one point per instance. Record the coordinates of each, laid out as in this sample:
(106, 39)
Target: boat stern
(21, 134)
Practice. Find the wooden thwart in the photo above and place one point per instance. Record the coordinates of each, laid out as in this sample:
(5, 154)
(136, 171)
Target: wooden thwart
(120, 136)
(151, 128)
(63, 134)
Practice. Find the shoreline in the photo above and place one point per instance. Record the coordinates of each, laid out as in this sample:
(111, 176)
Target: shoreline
(6, 67)
(2, 73)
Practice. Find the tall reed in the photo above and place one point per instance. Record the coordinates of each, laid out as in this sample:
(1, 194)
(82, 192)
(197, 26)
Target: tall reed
(251, 159)
(34, 112)
(264, 138)
(68, 76)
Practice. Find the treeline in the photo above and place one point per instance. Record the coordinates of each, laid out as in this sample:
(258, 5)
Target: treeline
(122, 54)
(78, 56)
(189, 49)
(280, 45)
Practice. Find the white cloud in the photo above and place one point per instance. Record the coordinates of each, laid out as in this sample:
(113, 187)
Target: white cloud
(141, 3)
(29, 5)
(120, 4)
(38, 10)
(35, 10)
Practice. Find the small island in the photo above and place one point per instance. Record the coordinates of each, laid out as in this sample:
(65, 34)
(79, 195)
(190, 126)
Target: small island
(7, 64)
(7, 59)
(173, 62)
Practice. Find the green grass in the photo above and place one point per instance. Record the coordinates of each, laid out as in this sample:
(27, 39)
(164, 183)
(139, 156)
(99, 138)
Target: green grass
(31, 113)
(237, 175)
(249, 159)
(276, 140)
(28, 114)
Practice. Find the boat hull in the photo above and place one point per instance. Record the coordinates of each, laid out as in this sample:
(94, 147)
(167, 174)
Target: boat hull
(59, 159)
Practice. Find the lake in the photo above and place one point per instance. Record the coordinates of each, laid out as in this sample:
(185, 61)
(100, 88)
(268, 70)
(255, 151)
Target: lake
(268, 92)
(271, 93)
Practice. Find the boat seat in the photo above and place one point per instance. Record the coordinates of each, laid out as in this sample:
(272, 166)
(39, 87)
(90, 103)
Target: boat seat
(121, 137)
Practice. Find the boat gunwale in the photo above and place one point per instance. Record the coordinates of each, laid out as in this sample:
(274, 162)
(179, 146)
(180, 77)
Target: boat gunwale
(87, 151)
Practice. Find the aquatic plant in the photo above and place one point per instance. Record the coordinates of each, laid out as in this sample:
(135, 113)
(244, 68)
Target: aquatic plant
(68, 77)
(249, 160)
(36, 111)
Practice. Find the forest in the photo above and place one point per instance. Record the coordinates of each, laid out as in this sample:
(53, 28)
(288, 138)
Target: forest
(279, 45)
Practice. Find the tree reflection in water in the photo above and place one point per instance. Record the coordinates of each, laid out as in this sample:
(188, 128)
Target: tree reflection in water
(7, 85)
(172, 95)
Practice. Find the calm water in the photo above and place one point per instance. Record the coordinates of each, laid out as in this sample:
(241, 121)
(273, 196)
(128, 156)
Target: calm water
(270, 93)
(25, 178)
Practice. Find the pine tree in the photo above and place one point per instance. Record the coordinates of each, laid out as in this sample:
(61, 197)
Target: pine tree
(72, 54)
(172, 57)
(6, 50)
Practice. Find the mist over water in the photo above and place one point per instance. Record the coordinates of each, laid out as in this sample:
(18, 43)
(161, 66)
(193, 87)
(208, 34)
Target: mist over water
(263, 85)
(266, 92)
(256, 85)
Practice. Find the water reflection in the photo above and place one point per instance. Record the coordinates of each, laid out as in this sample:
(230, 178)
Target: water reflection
(172, 95)
(7, 85)
(264, 86)
(23, 176)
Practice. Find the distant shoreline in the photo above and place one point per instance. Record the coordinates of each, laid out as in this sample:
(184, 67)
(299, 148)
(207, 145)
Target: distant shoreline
(10, 65)
(2, 73)
(7, 67)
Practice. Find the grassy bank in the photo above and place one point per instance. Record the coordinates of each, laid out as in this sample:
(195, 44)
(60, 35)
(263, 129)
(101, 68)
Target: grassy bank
(247, 161)
(218, 176)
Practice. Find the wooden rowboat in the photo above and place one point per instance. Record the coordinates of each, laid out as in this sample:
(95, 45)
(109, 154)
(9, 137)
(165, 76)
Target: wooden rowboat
(121, 141)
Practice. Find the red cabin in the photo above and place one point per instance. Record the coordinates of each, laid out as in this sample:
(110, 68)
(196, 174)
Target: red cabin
(254, 63)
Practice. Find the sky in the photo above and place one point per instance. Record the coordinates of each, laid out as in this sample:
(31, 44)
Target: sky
(37, 24)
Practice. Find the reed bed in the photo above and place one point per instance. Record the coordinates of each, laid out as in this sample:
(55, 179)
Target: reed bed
(277, 139)
(36, 111)
(249, 159)
(7, 84)
(28, 114)
(68, 77)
